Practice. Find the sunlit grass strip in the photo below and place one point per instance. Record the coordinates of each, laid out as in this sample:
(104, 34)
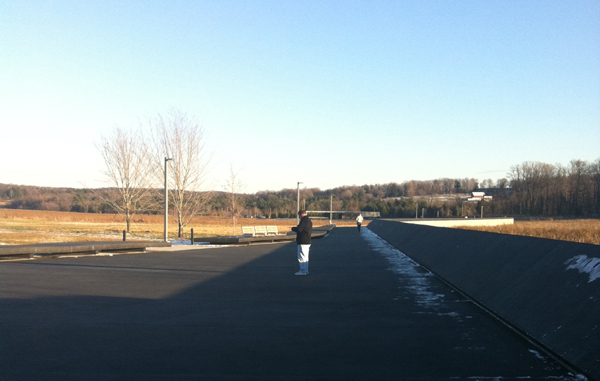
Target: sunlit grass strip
(582, 231)
(24, 227)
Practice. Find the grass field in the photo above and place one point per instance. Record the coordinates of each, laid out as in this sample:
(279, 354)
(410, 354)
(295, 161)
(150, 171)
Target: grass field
(24, 227)
(583, 231)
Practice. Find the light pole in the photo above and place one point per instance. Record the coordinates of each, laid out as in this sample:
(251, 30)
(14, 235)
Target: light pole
(166, 198)
(330, 208)
(298, 204)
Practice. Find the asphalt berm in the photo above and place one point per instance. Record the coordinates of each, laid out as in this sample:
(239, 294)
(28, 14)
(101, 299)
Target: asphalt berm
(365, 312)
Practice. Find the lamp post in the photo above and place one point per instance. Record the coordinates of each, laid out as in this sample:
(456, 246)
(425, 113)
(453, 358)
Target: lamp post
(330, 208)
(166, 199)
(298, 204)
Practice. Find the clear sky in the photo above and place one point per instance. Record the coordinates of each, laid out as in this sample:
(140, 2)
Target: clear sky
(329, 93)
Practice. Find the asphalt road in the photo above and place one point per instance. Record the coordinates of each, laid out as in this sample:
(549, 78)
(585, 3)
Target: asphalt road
(365, 312)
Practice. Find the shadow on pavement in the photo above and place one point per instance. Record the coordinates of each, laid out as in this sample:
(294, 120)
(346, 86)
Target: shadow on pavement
(240, 313)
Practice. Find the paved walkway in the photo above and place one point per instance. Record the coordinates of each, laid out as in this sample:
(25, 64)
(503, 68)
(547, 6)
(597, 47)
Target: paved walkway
(365, 312)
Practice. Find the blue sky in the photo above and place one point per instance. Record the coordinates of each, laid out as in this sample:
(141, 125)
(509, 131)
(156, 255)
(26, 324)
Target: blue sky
(329, 93)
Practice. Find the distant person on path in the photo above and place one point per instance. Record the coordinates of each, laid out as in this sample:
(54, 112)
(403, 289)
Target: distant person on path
(359, 221)
(303, 239)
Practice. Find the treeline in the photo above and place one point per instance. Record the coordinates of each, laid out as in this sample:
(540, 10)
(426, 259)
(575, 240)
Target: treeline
(386, 198)
(53, 199)
(532, 188)
(554, 190)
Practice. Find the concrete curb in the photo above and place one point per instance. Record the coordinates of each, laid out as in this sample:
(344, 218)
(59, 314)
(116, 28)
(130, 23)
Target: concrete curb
(318, 232)
(65, 248)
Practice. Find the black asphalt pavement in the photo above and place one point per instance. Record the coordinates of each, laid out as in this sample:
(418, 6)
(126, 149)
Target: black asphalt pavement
(365, 312)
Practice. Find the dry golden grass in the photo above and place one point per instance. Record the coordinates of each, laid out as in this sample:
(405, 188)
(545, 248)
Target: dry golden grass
(23, 227)
(583, 231)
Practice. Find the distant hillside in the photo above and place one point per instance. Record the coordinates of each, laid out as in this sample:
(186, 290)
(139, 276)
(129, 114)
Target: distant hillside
(534, 189)
(265, 203)
(55, 199)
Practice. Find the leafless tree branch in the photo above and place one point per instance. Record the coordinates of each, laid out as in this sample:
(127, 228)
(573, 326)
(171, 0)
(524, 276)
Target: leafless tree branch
(127, 160)
(182, 138)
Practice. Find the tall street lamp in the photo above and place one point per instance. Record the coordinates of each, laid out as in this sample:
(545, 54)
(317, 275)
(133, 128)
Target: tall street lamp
(166, 198)
(330, 208)
(298, 204)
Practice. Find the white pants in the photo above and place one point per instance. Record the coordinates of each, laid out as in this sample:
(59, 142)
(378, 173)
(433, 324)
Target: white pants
(303, 257)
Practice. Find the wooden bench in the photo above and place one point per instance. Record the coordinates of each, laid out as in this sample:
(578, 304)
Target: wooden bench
(272, 230)
(248, 231)
(262, 230)
(253, 231)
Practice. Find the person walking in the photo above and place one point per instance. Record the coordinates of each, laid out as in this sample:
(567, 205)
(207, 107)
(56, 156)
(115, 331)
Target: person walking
(359, 221)
(303, 240)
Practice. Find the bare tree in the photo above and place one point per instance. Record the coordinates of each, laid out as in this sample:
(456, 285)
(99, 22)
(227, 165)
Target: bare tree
(502, 183)
(234, 188)
(595, 174)
(127, 160)
(181, 138)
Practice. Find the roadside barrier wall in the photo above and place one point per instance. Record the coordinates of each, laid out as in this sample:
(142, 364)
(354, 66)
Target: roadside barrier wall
(548, 289)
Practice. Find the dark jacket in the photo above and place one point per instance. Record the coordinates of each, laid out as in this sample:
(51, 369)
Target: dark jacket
(303, 231)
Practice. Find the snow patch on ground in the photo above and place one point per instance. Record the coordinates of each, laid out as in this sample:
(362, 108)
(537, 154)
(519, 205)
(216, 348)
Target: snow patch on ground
(585, 265)
(419, 279)
(537, 354)
(180, 242)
